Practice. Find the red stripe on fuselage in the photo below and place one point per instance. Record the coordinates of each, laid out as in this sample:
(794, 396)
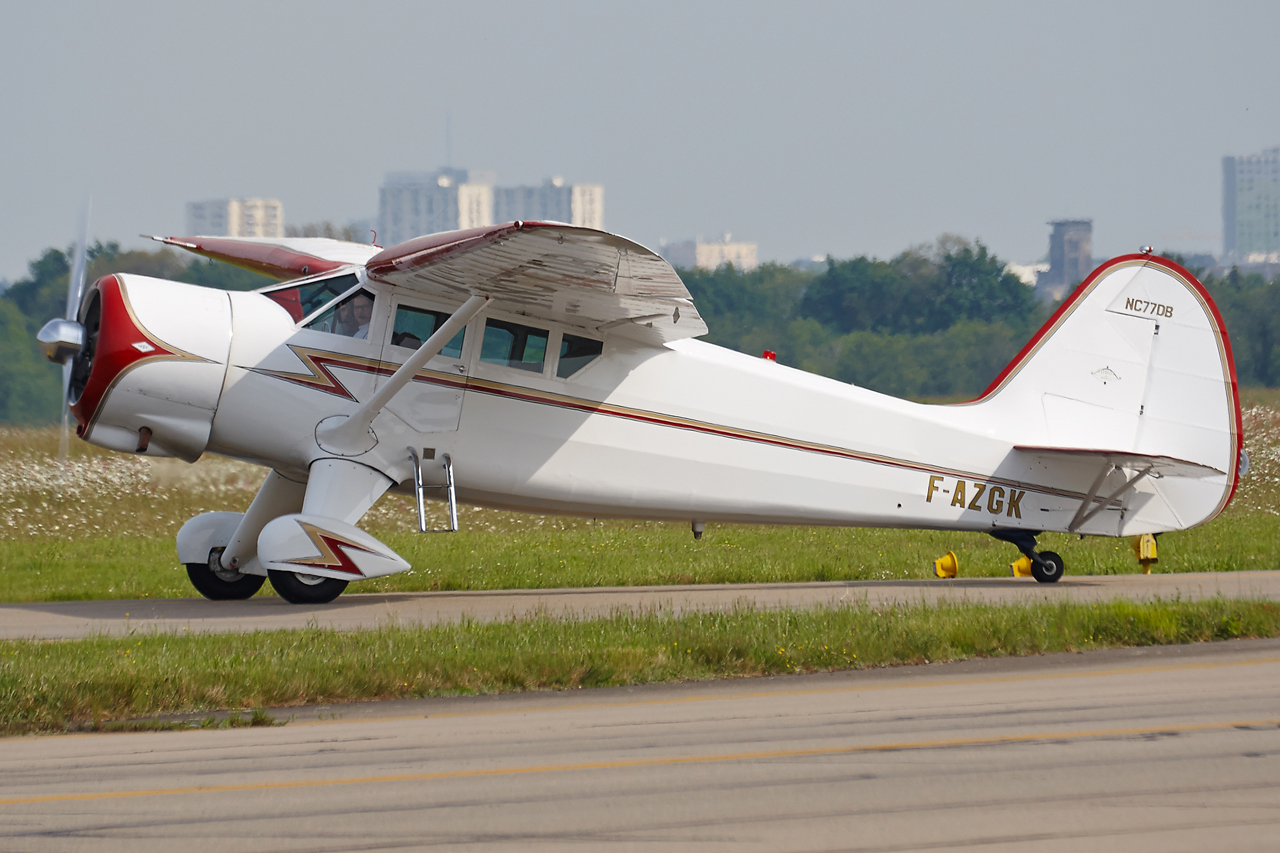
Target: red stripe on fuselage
(321, 382)
(320, 375)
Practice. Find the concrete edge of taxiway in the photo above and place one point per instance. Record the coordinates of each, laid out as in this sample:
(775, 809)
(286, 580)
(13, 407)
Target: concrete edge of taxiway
(350, 612)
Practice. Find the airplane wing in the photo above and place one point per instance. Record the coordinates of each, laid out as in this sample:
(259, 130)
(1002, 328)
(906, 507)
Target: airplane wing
(1159, 466)
(578, 276)
(279, 257)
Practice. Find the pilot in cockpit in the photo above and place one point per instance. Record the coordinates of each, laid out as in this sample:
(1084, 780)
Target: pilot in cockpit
(353, 316)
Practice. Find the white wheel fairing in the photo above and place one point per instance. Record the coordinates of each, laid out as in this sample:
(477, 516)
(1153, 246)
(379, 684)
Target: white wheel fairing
(323, 547)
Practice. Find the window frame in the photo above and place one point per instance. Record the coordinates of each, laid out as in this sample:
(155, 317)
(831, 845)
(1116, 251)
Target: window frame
(426, 303)
(577, 333)
(547, 359)
(314, 279)
(333, 303)
(397, 303)
(473, 340)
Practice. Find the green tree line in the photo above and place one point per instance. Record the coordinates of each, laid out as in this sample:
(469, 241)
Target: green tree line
(935, 321)
(1250, 308)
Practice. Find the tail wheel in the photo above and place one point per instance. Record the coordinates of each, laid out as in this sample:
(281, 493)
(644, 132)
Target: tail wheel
(298, 588)
(1052, 570)
(218, 584)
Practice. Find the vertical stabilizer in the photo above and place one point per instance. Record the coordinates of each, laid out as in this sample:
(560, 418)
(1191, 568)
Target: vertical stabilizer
(1136, 360)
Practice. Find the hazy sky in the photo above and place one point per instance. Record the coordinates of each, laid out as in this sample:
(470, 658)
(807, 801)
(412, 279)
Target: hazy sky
(809, 128)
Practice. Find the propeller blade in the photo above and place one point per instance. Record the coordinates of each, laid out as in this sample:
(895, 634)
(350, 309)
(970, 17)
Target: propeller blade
(64, 434)
(75, 282)
(75, 291)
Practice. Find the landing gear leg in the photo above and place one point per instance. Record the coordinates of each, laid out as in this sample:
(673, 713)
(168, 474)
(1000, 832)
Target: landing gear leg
(1046, 566)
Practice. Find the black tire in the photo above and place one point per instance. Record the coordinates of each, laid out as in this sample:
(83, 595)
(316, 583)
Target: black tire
(1057, 568)
(230, 586)
(297, 588)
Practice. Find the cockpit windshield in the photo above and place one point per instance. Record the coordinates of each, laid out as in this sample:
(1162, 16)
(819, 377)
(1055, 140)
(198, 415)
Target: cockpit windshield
(305, 299)
(349, 318)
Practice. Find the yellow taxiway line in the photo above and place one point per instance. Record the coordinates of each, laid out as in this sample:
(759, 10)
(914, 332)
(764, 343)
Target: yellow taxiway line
(708, 758)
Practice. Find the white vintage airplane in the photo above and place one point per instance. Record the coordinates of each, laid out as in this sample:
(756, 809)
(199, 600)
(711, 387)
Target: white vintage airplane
(556, 369)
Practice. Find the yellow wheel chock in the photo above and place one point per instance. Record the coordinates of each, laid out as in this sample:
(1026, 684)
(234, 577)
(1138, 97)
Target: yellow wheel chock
(1144, 548)
(946, 566)
(1021, 567)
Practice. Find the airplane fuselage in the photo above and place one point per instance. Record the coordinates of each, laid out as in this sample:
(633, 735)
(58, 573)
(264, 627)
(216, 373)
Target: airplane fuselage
(684, 431)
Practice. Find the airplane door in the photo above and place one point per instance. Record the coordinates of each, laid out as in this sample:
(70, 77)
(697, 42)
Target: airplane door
(433, 401)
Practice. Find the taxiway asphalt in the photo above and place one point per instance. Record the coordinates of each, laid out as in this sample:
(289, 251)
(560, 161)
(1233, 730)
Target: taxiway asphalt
(70, 620)
(1159, 749)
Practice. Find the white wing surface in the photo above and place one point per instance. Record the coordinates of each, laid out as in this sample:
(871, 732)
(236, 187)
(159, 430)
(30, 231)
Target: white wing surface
(578, 276)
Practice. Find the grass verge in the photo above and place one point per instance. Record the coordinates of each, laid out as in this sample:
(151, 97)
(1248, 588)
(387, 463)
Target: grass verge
(619, 553)
(98, 682)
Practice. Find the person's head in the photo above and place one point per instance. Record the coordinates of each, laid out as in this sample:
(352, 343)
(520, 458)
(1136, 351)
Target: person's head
(362, 309)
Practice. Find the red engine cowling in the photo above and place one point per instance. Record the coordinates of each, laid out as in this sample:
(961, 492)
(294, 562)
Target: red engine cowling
(152, 367)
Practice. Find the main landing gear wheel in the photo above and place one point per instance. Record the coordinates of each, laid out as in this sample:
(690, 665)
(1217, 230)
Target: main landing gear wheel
(1046, 566)
(218, 584)
(1050, 569)
(297, 588)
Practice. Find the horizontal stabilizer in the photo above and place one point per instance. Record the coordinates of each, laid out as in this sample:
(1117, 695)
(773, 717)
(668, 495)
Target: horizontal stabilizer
(551, 271)
(1160, 466)
(279, 257)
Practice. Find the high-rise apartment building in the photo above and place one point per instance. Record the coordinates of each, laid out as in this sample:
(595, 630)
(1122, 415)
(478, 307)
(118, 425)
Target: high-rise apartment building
(1251, 208)
(236, 217)
(415, 203)
(712, 255)
(411, 204)
(1070, 258)
(576, 204)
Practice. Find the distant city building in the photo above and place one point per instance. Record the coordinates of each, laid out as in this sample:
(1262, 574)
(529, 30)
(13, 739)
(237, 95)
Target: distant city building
(236, 217)
(576, 204)
(411, 204)
(1251, 208)
(695, 254)
(1070, 258)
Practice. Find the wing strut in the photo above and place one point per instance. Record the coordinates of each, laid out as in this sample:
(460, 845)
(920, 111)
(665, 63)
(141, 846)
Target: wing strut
(1084, 513)
(349, 435)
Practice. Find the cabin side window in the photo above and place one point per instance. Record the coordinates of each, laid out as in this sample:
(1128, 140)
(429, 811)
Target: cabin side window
(305, 299)
(414, 325)
(576, 353)
(349, 318)
(514, 345)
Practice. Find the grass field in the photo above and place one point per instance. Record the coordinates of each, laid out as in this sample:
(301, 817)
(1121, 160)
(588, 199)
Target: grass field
(56, 686)
(102, 525)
